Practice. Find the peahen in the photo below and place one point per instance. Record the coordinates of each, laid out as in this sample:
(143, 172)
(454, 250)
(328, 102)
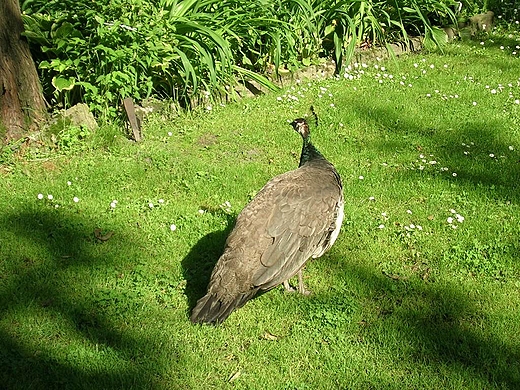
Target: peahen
(296, 216)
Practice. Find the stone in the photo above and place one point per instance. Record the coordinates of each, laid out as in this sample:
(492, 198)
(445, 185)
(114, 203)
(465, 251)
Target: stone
(80, 116)
(482, 22)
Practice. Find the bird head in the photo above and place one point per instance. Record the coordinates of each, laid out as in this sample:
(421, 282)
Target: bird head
(301, 127)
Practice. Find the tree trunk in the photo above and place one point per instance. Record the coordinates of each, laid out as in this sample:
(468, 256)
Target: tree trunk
(22, 106)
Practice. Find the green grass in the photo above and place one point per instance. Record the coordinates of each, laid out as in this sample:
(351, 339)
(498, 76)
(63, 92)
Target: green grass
(392, 307)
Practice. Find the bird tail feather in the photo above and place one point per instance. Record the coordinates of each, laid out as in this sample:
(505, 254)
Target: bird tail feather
(211, 309)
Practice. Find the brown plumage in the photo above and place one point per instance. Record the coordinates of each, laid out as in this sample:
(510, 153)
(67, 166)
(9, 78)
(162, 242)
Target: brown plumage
(295, 216)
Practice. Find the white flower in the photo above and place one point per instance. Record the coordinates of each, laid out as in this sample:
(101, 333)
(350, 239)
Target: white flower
(419, 227)
(173, 227)
(75, 199)
(170, 133)
(201, 211)
(361, 177)
(409, 211)
(460, 218)
(50, 197)
(412, 226)
(381, 226)
(511, 148)
(493, 91)
(474, 103)
(371, 198)
(453, 211)
(454, 174)
(449, 220)
(517, 101)
(161, 201)
(150, 205)
(113, 204)
(69, 183)
(491, 155)
(40, 196)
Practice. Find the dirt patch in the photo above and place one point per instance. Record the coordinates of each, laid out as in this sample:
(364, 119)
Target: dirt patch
(207, 140)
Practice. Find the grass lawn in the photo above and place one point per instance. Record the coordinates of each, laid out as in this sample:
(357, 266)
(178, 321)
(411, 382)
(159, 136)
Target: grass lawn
(421, 290)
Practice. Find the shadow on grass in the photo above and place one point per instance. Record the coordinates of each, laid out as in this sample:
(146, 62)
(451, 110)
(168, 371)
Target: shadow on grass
(497, 176)
(54, 332)
(442, 325)
(200, 261)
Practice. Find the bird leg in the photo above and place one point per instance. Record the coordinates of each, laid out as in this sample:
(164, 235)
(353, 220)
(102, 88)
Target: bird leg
(301, 286)
(288, 287)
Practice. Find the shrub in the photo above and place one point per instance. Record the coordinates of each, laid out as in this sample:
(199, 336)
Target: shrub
(100, 52)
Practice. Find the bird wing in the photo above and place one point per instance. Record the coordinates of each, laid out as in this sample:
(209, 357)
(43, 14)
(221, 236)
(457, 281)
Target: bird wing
(292, 218)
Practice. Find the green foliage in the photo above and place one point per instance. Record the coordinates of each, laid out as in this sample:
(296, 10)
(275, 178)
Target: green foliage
(507, 12)
(480, 258)
(71, 138)
(106, 51)
(6, 155)
(101, 52)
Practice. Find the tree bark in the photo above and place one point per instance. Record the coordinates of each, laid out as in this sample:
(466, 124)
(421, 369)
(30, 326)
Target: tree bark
(22, 107)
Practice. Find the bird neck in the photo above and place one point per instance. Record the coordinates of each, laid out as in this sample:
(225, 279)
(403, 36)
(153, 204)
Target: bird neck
(309, 152)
